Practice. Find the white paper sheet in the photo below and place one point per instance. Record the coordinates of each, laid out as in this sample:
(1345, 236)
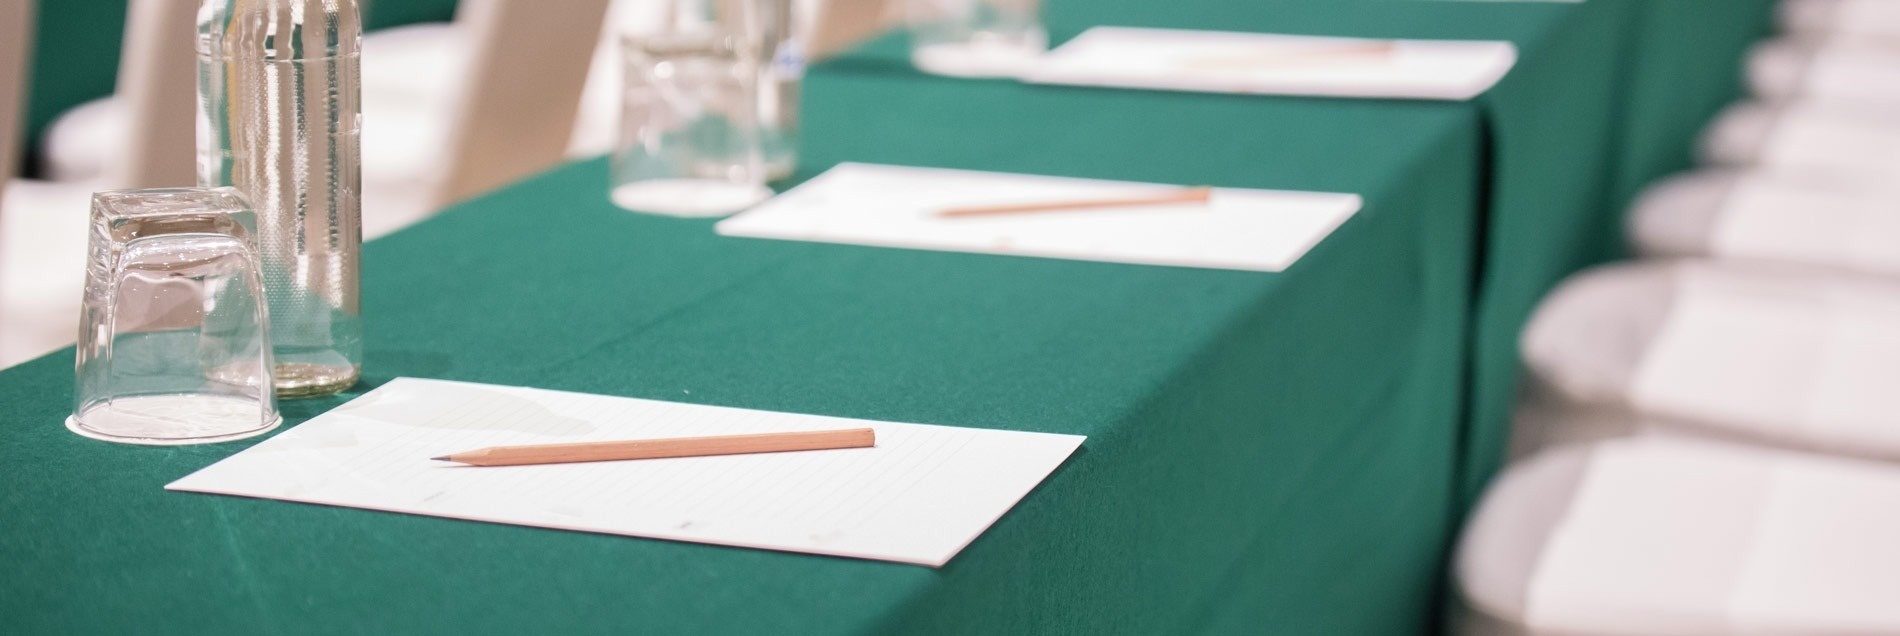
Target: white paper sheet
(1262, 63)
(921, 495)
(893, 206)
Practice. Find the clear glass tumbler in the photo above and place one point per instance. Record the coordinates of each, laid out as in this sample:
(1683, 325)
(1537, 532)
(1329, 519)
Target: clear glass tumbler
(280, 119)
(689, 141)
(174, 344)
(974, 38)
(784, 69)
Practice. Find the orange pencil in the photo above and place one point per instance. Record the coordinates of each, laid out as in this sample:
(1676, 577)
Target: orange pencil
(659, 448)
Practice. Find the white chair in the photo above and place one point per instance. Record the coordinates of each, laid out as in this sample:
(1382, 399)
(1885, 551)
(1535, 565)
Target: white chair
(153, 144)
(1833, 19)
(412, 78)
(1663, 536)
(1819, 142)
(516, 108)
(42, 225)
(159, 76)
(16, 47)
(1765, 354)
(1744, 215)
(1847, 71)
(409, 77)
(43, 242)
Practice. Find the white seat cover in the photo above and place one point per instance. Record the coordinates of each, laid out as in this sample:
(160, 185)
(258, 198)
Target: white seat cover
(409, 74)
(1822, 142)
(1657, 535)
(1772, 354)
(42, 266)
(1844, 70)
(1771, 217)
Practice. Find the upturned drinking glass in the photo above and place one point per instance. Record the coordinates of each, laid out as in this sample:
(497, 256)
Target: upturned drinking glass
(974, 38)
(174, 344)
(690, 142)
(280, 103)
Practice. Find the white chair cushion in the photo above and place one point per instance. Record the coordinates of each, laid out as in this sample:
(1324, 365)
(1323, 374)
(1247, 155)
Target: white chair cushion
(80, 142)
(1829, 19)
(1777, 355)
(409, 79)
(1770, 217)
(1843, 70)
(417, 66)
(1821, 142)
(43, 227)
(1660, 535)
(1677, 216)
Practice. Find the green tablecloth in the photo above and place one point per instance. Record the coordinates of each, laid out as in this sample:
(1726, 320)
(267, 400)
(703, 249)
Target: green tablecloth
(1280, 453)
(1686, 67)
(1267, 452)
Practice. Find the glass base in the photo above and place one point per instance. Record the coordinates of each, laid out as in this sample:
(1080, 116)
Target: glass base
(303, 379)
(689, 197)
(172, 420)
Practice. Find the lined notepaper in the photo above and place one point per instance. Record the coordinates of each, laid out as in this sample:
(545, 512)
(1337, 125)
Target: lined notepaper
(1274, 64)
(901, 206)
(919, 496)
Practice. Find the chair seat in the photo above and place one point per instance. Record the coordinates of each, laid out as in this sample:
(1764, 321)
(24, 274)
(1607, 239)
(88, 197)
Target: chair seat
(1777, 355)
(42, 266)
(409, 80)
(1848, 70)
(1664, 535)
(1829, 143)
(1770, 217)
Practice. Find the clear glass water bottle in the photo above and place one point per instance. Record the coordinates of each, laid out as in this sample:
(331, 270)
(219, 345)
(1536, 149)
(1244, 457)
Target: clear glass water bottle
(279, 118)
(781, 73)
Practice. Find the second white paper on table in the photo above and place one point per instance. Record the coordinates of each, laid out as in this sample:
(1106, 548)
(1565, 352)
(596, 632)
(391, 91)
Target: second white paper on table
(1271, 64)
(921, 495)
(896, 206)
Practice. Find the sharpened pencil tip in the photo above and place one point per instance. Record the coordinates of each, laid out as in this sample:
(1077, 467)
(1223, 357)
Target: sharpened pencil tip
(444, 458)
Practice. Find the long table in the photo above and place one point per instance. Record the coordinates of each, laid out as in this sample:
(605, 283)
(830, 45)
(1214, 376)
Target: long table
(1285, 438)
(1267, 452)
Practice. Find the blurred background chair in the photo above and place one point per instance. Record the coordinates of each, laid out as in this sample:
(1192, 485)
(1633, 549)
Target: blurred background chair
(1709, 439)
(43, 223)
(1659, 535)
(1843, 70)
(1840, 19)
(452, 108)
(1772, 218)
(1799, 358)
(16, 43)
(517, 105)
(1818, 141)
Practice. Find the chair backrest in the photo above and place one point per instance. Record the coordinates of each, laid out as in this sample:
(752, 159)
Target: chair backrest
(516, 111)
(16, 44)
(158, 89)
(842, 23)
